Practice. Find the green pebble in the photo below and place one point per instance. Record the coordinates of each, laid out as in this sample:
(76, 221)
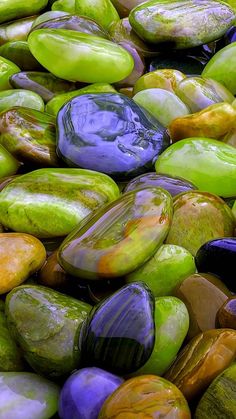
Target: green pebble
(166, 270)
(7, 68)
(20, 97)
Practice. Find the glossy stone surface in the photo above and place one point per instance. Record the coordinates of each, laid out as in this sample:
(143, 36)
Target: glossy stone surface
(203, 295)
(64, 5)
(215, 121)
(46, 324)
(221, 67)
(218, 257)
(73, 22)
(199, 93)
(29, 135)
(44, 84)
(226, 315)
(139, 66)
(102, 11)
(171, 326)
(52, 275)
(7, 68)
(46, 16)
(199, 217)
(119, 332)
(20, 97)
(10, 355)
(166, 79)
(184, 24)
(146, 396)
(15, 9)
(8, 164)
(17, 30)
(163, 272)
(56, 103)
(120, 137)
(124, 7)
(119, 237)
(20, 256)
(201, 360)
(196, 160)
(27, 396)
(56, 200)
(83, 54)
(219, 399)
(165, 106)
(171, 184)
(85, 391)
(19, 53)
(122, 31)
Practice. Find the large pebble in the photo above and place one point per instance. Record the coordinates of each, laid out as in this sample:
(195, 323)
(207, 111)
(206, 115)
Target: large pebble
(109, 133)
(119, 237)
(51, 202)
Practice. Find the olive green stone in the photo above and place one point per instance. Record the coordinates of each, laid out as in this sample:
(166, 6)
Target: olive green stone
(221, 67)
(166, 270)
(15, 9)
(88, 58)
(25, 395)
(163, 105)
(219, 401)
(8, 164)
(29, 135)
(19, 53)
(184, 23)
(20, 97)
(7, 68)
(171, 322)
(208, 164)
(46, 324)
(102, 11)
(10, 355)
(199, 217)
(51, 202)
(54, 105)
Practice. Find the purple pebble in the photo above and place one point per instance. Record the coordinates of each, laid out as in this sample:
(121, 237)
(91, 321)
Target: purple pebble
(85, 391)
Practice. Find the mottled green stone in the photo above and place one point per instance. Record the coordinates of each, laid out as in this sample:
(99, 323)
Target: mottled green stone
(10, 355)
(166, 270)
(46, 324)
(51, 202)
(64, 5)
(183, 23)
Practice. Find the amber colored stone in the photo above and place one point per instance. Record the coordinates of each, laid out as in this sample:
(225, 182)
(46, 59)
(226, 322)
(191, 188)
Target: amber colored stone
(201, 360)
(203, 295)
(20, 256)
(215, 122)
(146, 397)
(226, 315)
(52, 274)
